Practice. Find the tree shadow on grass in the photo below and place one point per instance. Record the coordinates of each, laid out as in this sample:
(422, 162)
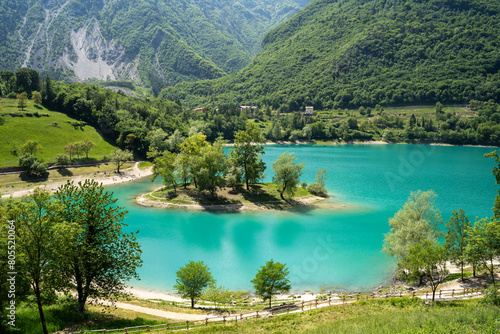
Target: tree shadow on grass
(64, 172)
(30, 178)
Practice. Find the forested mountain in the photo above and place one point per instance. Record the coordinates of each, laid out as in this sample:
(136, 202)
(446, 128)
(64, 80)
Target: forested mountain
(156, 42)
(349, 53)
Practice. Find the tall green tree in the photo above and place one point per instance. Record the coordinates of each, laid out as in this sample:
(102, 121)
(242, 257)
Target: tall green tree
(247, 153)
(456, 238)
(32, 147)
(496, 172)
(22, 100)
(192, 280)
(287, 173)
(430, 257)
(484, 244)
(419, 220)
(271, 279)
(42, 238)
(120, 157)
(86, 145)
(214, 166)
(103, 258)
(164, 166)
(37, 97)
(190, 154)
(27, 80)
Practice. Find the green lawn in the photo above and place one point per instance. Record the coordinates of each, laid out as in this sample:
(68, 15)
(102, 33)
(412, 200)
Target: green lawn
(52, 132)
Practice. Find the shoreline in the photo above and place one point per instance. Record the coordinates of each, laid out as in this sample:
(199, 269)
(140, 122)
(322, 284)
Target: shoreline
(300, 203)
(126, 175)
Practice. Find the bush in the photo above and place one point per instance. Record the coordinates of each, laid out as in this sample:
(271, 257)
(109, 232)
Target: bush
(12, 95)
(32, 165)
(303, 184)
(62, 160)
(317, 189)
(491, 296)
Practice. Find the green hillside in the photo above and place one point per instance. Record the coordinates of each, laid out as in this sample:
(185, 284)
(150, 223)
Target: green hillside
(155, 43)
(351, 53)
(53, 132)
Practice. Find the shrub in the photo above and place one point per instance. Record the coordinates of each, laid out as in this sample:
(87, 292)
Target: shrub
(317, 189)
(491, 296)
(62, 159)
(303, 184)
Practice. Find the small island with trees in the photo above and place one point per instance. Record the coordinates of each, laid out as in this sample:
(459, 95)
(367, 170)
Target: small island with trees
(199, 175)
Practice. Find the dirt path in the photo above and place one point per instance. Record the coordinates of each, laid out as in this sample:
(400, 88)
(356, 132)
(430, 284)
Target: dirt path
(159, 313)
(126, 175)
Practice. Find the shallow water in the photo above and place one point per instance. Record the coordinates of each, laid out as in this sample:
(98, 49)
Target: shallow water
(330, 249)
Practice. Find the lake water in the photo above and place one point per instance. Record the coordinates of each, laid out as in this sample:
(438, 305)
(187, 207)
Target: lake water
(329, 249)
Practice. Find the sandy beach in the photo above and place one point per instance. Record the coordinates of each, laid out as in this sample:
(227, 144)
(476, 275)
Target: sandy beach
(126, 175)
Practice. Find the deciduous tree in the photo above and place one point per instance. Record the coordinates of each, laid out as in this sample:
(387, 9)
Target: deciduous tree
(164, 166)
(42, 238)
(430, 257)
(456, 238)
(22, 100)
(32, 147)
(287, 173)
(192, 279)
(119, 158)
(247, 153)
(484, 244)
(86, 145)
(103, 258)
(419, 220)
(271, 279)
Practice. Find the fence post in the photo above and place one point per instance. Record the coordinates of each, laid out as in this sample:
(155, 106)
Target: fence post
(147, 328)
(241, 316)
(452, 292)
(413, 296)
(357, 297)
(224, 317)
(329, 300)
(187, 324)
(316, 300)
(287, 308)
(257, 314)
(440, 293)
(426, 295)
(236, 320)
(206, 321)
(168, 326)
(302, 306)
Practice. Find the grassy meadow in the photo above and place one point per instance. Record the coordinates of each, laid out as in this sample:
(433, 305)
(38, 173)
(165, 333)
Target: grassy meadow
(53, 132)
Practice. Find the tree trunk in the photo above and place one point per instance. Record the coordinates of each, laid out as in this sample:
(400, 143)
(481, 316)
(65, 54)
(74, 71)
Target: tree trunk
(192, 302)
(270, 302)
(40, 308)
(282, 192)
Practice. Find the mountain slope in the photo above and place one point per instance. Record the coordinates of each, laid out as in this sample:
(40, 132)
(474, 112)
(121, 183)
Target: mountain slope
(157, 42)
(359, 52)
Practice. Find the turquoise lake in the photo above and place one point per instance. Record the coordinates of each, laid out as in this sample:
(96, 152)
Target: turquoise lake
(323, 249)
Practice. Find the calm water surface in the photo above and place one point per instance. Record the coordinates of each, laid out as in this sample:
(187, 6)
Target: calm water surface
(322, 248)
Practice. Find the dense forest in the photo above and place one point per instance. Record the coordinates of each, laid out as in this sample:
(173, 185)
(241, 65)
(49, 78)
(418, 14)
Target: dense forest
(154, 43)
(157, 124)
(357, 53)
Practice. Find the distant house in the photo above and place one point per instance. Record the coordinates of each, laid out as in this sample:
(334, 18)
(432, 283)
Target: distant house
(251, 109)
(201, 109)
(309, 111)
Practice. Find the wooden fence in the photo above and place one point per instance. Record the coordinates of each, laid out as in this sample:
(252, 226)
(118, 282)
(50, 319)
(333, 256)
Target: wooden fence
(285, 308)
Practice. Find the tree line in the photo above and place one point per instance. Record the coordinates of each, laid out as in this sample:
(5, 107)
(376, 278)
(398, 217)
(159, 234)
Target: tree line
(140, 125)
(416, 231)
